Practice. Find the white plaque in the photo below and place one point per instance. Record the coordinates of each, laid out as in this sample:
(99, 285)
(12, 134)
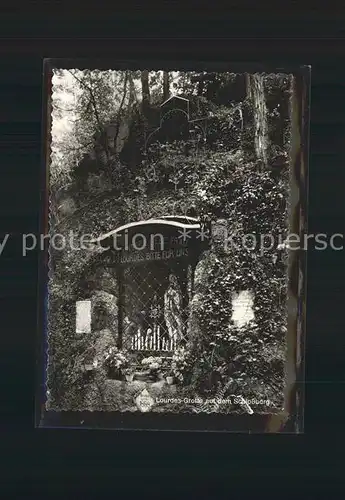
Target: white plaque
(83, 316)
(242, 304)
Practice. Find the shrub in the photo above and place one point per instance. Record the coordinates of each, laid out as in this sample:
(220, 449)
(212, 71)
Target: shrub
(116, 359)
(182, 365)
(153, 363)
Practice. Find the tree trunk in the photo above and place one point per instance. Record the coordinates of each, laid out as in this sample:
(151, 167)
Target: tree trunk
(145, 91)
(133, 93)
(200, 88)
(125, 120)
(256, 95)
(166, 92)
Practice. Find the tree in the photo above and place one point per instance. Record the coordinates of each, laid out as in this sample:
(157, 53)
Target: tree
(256, 97)
(144, 77)
(166, 91)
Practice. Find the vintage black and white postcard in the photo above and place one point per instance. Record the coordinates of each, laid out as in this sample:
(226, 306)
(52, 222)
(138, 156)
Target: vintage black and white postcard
(176, 210)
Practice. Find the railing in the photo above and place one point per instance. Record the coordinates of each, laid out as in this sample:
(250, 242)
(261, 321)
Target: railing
(152, 341)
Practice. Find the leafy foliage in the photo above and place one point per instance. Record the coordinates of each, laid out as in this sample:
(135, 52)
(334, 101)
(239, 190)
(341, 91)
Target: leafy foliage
(115, 359)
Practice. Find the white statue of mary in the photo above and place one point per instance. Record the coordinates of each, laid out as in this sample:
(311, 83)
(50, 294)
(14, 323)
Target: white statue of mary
(173, 309)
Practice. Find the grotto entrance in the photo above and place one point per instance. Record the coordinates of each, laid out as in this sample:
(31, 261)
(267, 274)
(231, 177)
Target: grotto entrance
(154, 261)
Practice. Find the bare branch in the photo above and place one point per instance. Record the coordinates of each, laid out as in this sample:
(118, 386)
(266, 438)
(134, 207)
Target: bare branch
(79, 148)
(121, 105)
(59, 108)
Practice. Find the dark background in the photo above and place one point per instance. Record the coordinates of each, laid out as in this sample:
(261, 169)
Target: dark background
(51, 461)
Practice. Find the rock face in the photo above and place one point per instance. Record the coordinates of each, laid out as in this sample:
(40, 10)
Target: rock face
(104, 340)
(102, 279)
(98, 183)
(199, 280)
(104, 312)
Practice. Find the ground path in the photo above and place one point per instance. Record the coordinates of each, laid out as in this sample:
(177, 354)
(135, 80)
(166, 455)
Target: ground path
(120, 393)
